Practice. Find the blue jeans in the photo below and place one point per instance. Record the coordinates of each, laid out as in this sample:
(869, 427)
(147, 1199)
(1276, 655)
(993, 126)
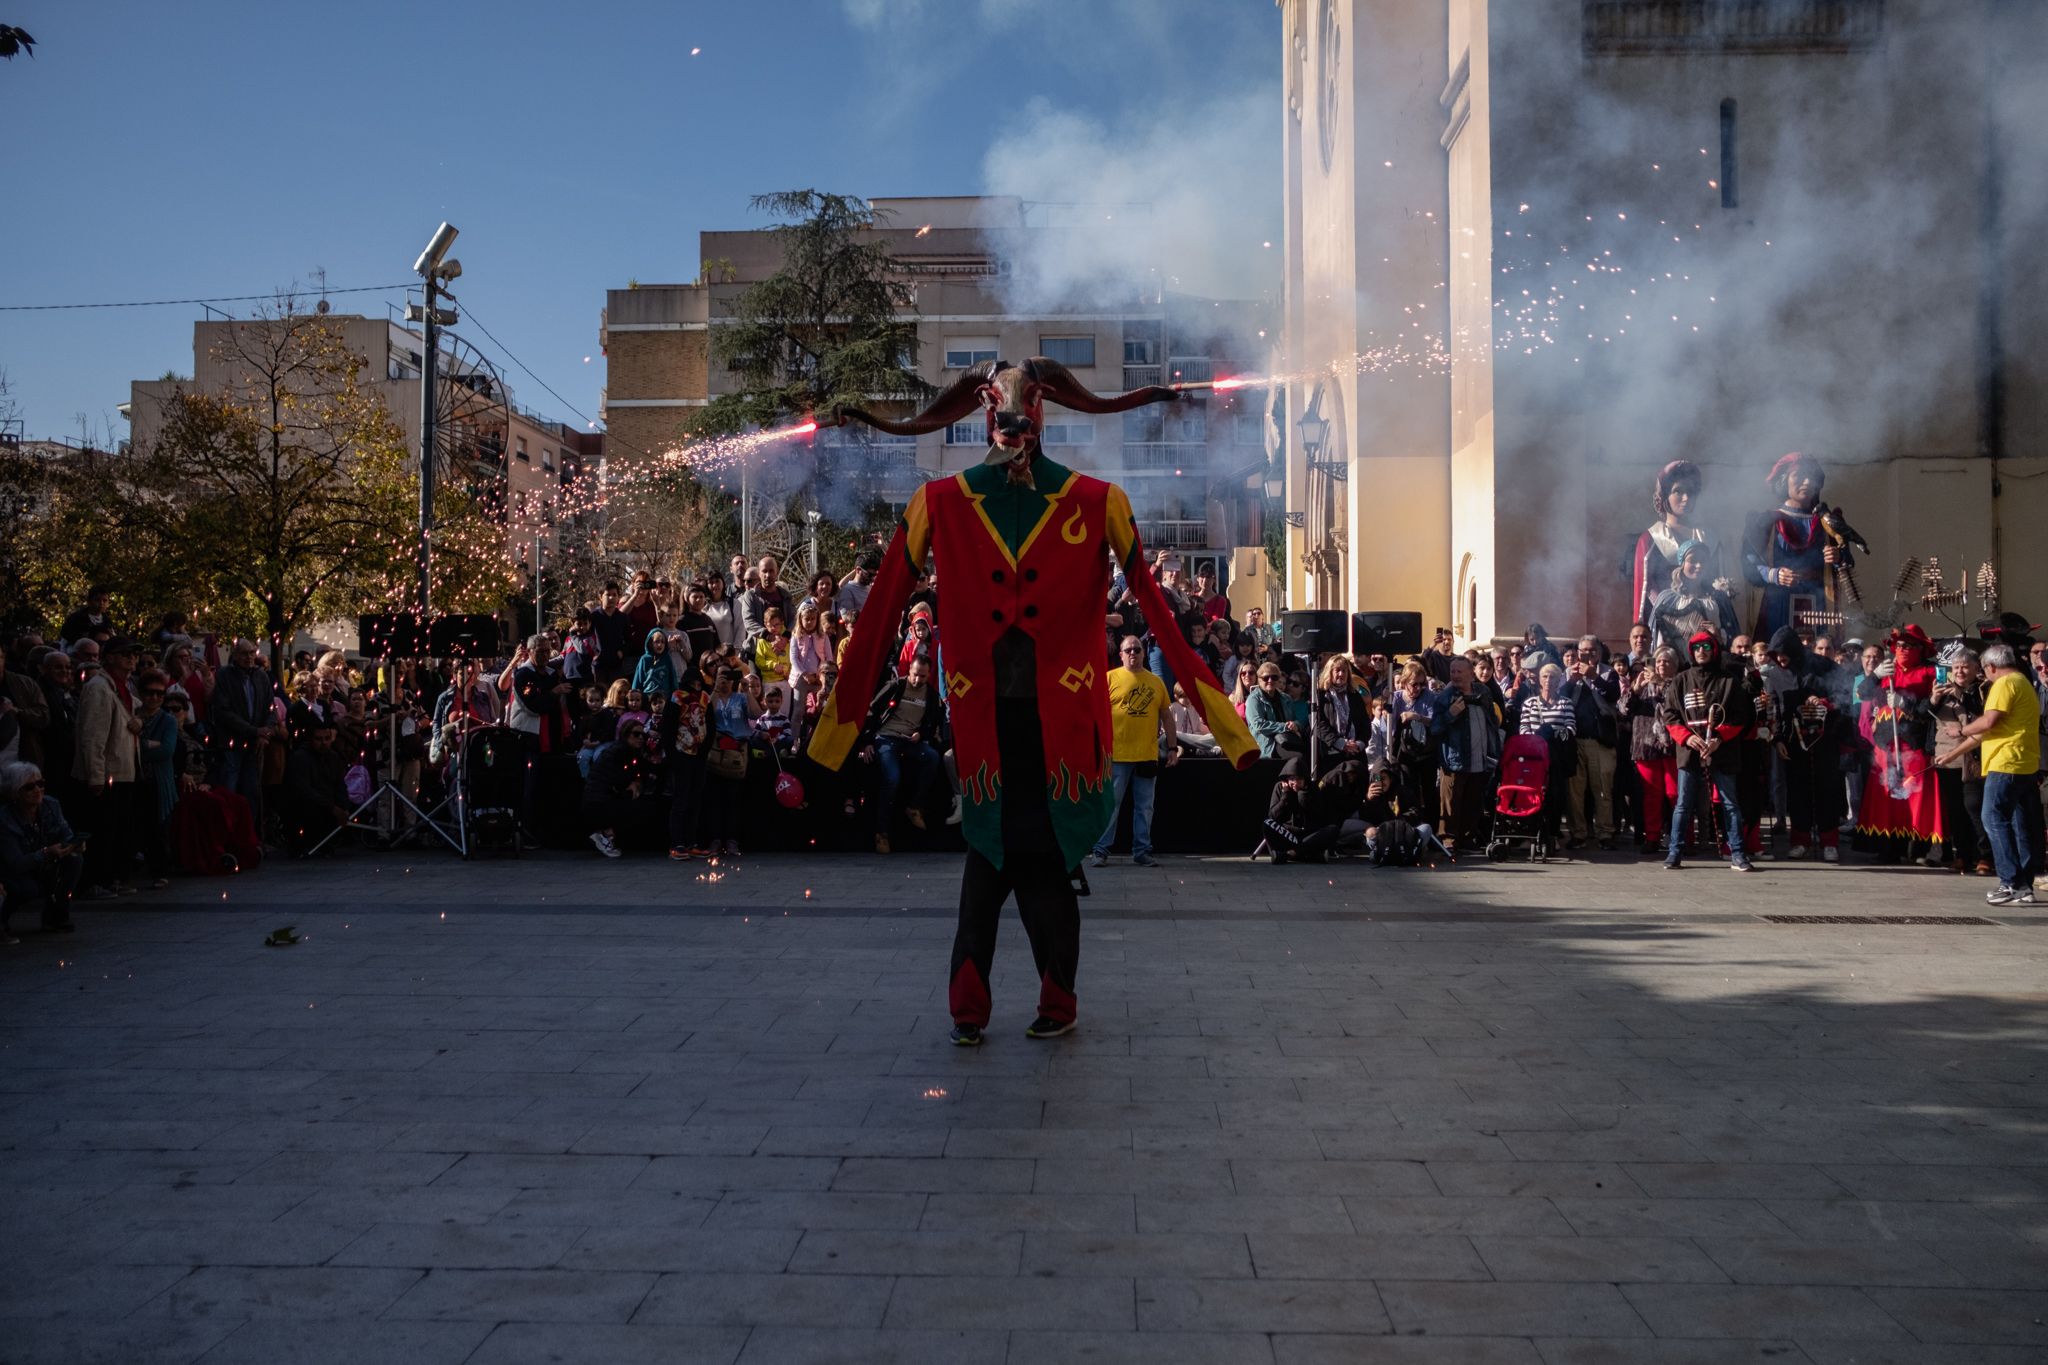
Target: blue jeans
(2012, 812)
(898, 758)
(1156, 661)
(1126, 777)
(1691, 786)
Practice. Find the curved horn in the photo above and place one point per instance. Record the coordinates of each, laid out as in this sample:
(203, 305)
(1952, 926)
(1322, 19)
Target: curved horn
(953, 402)
(1062, 388)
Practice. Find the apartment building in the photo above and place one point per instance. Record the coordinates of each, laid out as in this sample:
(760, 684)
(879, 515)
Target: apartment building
(1193, 469)
(522, 464)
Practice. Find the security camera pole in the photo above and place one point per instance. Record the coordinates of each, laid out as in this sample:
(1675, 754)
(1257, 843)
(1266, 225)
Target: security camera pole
(436, 270)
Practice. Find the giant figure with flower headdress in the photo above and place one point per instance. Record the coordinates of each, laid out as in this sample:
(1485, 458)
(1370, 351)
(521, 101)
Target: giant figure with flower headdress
(1024, 546)
(1657, 548)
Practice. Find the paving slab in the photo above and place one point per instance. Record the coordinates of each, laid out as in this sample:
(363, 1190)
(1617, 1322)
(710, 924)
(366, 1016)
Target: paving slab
(1499, 1115)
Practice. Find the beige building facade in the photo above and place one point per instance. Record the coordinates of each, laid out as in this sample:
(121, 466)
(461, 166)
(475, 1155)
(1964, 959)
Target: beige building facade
(1535, 249)
(1192, 469)
(524, 463)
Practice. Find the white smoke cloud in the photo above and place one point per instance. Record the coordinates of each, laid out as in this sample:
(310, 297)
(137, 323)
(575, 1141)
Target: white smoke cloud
(1183, 200)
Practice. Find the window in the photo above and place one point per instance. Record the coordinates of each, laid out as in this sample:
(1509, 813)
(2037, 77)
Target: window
(1141, 351)
(1194, 425)
(547, 459)
(1728, 200)
(962, 352)
(1073, 351)
(1070, 432)
(1144, 424)
(521, 448)
(972, 432)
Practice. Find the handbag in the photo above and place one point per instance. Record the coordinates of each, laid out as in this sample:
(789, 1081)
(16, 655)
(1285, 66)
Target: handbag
(727, 760)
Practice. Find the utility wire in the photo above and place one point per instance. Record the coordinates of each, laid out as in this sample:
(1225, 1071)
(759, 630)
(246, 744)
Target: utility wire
(219, 298)
(470, 313)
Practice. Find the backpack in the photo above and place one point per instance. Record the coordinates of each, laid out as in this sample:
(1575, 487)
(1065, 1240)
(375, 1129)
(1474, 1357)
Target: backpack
(1396, 843)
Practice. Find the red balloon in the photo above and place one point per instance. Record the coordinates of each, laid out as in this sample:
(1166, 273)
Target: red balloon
(789, 791)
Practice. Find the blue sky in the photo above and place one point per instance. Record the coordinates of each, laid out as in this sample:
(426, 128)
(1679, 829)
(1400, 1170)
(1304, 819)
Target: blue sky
(226, 147)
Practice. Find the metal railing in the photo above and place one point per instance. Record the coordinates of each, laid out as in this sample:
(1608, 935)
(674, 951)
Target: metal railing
(1177, 455)
(1174, 535)
(1141, 376)
(1625, 27)
(1189, 369)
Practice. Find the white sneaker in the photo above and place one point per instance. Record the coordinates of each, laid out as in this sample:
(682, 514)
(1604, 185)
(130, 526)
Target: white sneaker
(954, 818)
(1831, 854)
(1797, 851)
(604, 845)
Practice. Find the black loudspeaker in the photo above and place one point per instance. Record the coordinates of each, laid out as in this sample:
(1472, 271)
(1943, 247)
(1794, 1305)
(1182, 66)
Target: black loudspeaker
(390, 635)
(1386, 632)
(469, 637)
(1313, 632)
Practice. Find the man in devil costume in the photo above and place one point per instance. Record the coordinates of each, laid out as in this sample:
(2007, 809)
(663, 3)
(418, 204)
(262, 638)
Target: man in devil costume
(1811, 728)
(1658, 549)
(1901, 797)
(1787, 551)
(1023, 546)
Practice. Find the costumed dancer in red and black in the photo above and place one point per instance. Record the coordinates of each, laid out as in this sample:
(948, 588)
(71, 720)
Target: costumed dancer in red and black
(1659, 548)
(1706, 711)
(1024, 546)
(1901, 798)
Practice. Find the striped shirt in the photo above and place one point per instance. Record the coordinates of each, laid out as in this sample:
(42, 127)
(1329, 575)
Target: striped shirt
(1558, 715)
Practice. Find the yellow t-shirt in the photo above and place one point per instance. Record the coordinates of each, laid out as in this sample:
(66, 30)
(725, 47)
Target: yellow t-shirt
(1135, 697)
(2014, 744)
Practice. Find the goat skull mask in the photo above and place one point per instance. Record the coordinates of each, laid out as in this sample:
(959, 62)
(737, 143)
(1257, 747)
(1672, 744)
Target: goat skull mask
(1013, 399)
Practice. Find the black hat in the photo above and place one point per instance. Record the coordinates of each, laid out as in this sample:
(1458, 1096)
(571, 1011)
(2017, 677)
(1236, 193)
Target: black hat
(118, 644)
(1295, 767)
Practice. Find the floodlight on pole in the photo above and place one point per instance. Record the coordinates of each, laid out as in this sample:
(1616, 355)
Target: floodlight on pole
(434, 267)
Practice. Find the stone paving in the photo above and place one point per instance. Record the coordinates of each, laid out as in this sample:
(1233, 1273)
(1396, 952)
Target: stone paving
(567, 1110)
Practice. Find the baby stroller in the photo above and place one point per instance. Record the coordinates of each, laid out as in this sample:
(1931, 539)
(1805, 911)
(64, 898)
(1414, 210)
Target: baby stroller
(1518, 802)
(490, 782)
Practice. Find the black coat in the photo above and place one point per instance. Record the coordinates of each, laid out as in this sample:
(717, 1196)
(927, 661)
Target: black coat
(1708, 694)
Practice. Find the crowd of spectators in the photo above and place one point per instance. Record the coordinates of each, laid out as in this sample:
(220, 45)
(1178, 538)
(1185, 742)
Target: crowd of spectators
(125, 758)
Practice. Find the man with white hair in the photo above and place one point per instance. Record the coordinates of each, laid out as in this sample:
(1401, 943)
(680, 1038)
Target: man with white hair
(2009, 733)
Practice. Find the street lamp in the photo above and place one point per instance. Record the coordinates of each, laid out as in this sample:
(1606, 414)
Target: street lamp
(1315, 429)
(811, 519)
(436, 269)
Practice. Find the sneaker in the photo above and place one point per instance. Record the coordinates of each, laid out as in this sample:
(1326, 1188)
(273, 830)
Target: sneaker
(881, 843)
(1144, 860)
(700, 849)
(1796, 852)
(603, 844)
(1933, 858)
(1046, 1027)
(954, 818)
(966, 1035)
(1985, 869)
(680, 854)
(1099, 860)
(915, 817)
(1831, 854)
(2003, 895)
(1742, 865)
(2024, 896)
(1672, 864)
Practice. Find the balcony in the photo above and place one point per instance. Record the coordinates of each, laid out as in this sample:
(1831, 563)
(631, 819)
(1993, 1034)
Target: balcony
(1142, 376)
(1650, 27)
(1189, 369)
(1174, 455)
(1174, 535)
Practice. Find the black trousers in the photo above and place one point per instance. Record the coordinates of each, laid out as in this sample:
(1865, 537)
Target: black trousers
(1814, 796)
(1033, 869)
